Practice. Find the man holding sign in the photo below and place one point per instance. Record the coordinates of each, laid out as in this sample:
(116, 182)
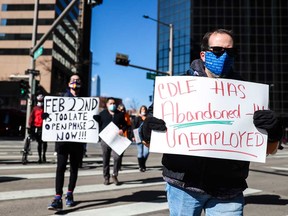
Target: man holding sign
(197, 183)
(65, 150)
(105, 118)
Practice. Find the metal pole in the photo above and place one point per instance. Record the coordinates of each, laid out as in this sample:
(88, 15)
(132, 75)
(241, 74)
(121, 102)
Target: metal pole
(36, 46)
(171, 50)
(158, 21)
(148, 69)
(55, 23)
(170, 69)
(31, 76)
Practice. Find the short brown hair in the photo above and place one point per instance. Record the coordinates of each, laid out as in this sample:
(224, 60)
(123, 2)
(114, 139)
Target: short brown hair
(205, 40)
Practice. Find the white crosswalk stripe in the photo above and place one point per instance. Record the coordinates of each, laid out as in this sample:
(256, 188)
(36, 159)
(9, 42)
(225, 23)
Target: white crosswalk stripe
(23, 194)
(125, 210)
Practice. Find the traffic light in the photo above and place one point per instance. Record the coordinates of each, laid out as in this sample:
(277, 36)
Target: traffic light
(24, 89)
(122, 59)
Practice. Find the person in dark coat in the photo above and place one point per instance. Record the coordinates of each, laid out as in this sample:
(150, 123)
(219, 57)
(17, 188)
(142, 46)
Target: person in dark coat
(65, 150)
(111, 114)
(195, 184)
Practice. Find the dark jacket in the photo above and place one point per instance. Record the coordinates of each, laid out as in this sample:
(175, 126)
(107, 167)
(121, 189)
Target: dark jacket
(137, 122)
(59, 146)
(216, 177)
(118, 119)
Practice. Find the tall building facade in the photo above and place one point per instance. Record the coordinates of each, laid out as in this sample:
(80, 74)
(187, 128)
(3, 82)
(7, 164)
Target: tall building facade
(65, 50)
(95, 86)
(260, 28)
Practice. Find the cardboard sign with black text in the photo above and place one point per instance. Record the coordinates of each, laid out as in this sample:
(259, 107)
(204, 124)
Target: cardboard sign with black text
(70, 119)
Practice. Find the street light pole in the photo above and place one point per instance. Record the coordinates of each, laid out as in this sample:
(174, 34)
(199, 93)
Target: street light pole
(170, 50)
(171, 30)
(31, 76)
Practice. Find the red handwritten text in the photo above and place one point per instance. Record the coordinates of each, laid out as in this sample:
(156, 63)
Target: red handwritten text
(170, 112)
(172, 89)
(239, 139)
(229, 89)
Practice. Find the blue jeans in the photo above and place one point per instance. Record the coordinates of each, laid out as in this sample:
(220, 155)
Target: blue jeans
(183, 203)
(142, 151)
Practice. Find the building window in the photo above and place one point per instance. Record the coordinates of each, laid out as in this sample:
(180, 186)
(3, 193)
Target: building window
(17, 22)
(4, 36)
(27, 7)
(21, 52)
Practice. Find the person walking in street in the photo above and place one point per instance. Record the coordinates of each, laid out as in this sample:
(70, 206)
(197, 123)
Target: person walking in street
(127, 132)
(65, 150)
(111, 114)
(35, 125)
(142, 150)
(215, 186)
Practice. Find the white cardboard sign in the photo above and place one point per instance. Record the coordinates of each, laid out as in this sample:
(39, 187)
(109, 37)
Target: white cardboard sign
(210, 118)
(110, 135)
(70, 119)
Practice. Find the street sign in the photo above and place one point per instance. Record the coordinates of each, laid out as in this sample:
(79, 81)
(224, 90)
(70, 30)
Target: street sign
(38, 52)
(150, 76)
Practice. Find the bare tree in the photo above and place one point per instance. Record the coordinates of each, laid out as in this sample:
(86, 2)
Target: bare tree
(133, 104)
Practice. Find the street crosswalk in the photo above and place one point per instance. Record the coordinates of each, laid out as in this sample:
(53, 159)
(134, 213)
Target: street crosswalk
(26, 172)
(11, 195)
(10, 156)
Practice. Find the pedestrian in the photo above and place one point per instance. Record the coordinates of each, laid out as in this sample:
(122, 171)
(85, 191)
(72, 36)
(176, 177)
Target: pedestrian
(35, 128)
(127, 132)
(194, 184)
(111, 114)
(65, 150)
(142, 150)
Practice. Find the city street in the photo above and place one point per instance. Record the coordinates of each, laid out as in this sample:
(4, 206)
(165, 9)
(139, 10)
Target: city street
(28, 189)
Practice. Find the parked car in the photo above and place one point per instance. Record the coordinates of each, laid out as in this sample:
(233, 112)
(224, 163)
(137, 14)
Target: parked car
(12, 123)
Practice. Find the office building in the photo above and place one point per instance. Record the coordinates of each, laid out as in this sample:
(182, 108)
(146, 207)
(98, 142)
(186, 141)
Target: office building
(65, 51)
(261, 30)
(95, 86)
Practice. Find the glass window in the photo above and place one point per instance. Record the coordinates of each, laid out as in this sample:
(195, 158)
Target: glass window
(18, 22)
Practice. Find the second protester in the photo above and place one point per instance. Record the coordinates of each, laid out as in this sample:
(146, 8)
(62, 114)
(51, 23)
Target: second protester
(142, 150)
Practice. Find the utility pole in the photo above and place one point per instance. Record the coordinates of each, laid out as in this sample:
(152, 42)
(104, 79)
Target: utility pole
(36, 46)
(31, 75)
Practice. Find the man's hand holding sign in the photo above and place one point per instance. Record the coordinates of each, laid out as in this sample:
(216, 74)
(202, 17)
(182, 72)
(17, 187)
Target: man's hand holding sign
(267, 120)
(212, 118)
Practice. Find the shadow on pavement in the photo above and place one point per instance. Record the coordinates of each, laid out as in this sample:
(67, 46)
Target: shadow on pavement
(8, 179)
(147, 180)
(11, 138)
(275, 172)
(265, 199)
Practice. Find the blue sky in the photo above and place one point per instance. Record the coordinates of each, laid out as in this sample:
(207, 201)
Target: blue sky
(119, 27)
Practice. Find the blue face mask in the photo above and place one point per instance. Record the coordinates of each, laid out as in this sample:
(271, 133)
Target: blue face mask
(218, 65)
(112, 107)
